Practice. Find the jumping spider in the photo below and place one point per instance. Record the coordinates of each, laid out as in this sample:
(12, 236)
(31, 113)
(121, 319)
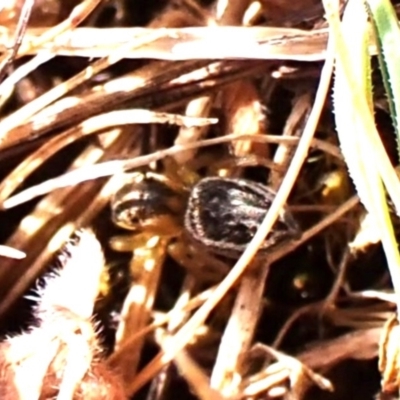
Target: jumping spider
(218, 215)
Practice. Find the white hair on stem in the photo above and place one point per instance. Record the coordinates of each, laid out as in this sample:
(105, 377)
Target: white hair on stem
(75, 286)
(61, 357)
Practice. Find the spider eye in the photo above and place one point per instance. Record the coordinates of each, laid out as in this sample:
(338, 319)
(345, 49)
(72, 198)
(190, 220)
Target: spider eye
(140, 202)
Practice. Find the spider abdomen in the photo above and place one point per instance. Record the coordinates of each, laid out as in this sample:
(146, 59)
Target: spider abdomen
(223, 214)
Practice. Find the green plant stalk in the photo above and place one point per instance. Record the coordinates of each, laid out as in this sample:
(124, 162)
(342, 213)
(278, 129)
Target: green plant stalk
(356, 128)
(383, 163)
(386, 31)
(346, 118)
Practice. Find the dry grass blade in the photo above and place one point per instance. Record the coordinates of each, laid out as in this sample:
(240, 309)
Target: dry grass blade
(7, 251)
(196, 377)
(22, 25)
(144, 82)
(116, 166)
(23, 114)
(89, 127)
(189, 43)
(78, 14)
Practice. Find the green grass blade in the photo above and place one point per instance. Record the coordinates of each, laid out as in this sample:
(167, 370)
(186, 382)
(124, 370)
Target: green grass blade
(387, 37)
(355, 124)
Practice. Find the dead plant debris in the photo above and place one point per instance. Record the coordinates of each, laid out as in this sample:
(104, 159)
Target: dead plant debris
(112, 114)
